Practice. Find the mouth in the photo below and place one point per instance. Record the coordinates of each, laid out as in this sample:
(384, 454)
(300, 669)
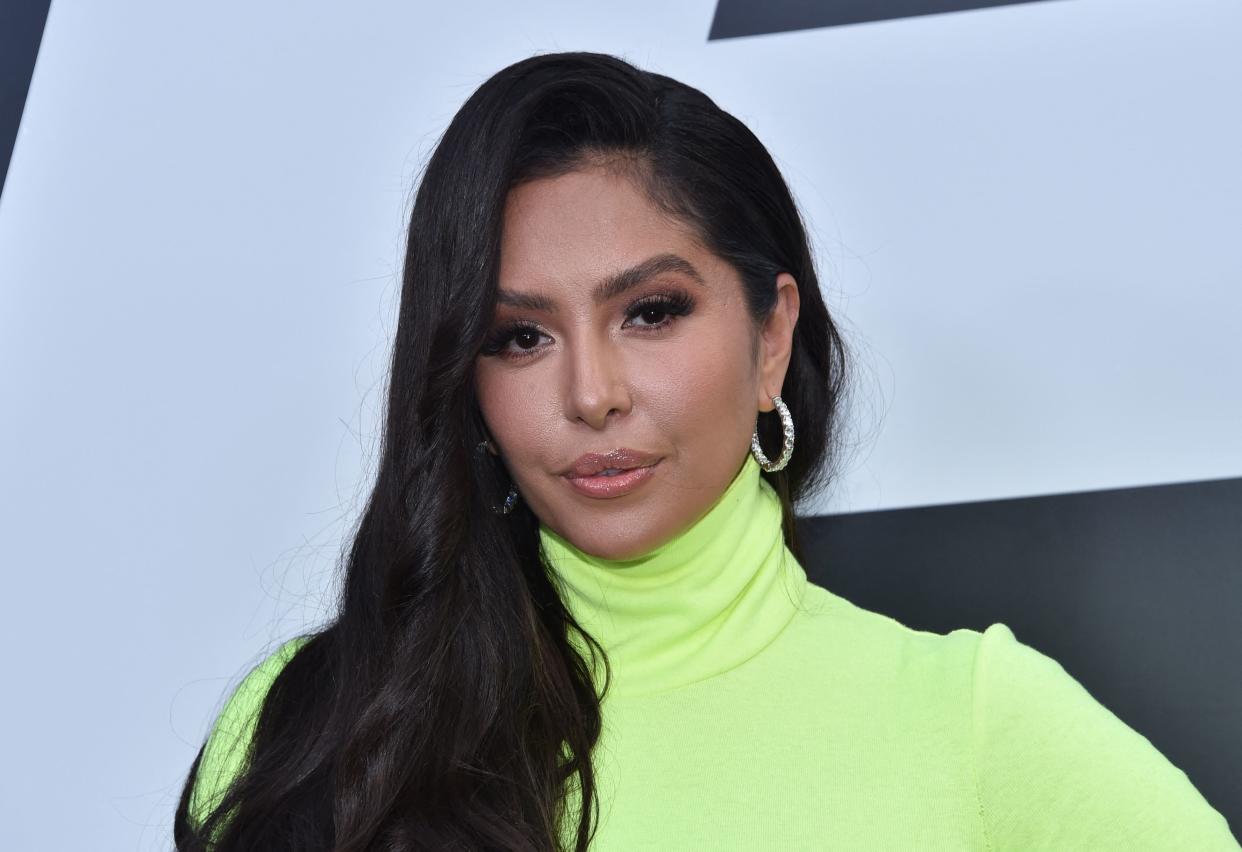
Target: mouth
(613, 481)
(610, 464)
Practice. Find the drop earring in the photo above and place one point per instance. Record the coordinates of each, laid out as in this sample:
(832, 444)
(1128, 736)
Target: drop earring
(787, 427)
(505, 508)
(510, 502)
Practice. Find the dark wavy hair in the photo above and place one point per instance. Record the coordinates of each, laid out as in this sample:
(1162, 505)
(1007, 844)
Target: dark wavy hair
(444, 707)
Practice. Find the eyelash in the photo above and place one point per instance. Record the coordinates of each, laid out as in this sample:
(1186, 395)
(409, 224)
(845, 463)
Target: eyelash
(673, 305)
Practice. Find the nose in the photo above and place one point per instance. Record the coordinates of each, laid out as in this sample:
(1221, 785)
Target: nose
(595, 382)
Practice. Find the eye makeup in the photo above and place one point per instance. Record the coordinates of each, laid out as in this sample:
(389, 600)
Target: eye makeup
(671, 305)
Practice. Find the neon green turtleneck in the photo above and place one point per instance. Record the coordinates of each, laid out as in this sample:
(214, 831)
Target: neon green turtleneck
(703, 602)
(752, 710)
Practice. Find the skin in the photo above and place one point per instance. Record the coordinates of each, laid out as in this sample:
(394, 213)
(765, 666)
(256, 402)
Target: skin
(593, 377)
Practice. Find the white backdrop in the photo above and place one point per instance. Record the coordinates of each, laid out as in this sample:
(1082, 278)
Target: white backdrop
(1027, 220)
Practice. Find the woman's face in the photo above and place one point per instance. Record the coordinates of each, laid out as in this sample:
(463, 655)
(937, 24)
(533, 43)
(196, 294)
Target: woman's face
(672, 366)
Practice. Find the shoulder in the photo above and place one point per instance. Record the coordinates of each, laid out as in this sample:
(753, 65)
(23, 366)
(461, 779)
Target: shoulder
(1051, 767)
(228, 745)
(1054, 767)
(920, 678)
(884, 646)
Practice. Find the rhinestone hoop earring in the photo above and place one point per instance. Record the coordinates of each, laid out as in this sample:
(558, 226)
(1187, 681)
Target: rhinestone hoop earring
(787, 426)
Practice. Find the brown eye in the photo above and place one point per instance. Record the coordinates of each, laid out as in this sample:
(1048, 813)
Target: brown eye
(523, 336)
(652, 315)
(526, 338)
(660, 311)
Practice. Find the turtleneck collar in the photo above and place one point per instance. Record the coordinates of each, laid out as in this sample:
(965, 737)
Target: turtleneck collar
(699, 604)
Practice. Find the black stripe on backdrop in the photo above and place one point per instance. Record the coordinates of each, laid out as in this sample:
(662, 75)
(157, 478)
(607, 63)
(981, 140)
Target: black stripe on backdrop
(756, 17)
(21, 30)
(1134, 591)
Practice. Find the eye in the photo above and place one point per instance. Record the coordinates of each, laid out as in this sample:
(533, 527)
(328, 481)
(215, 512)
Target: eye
(525, 335)
(668, 306)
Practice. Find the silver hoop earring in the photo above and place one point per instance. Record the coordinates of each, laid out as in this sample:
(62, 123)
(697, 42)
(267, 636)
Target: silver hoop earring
(787, 426)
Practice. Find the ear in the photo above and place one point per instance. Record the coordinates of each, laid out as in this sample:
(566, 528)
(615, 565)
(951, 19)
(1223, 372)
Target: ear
(487, 444)
(776, 341)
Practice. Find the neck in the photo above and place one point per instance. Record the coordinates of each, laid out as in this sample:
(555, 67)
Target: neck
(701, 603)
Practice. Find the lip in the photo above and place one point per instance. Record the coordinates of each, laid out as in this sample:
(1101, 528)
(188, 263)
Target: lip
(585, 477)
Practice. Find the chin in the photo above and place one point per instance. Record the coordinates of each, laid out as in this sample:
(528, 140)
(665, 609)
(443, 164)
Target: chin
(619, 544)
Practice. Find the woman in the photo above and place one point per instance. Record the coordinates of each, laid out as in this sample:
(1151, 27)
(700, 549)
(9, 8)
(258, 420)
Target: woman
(574, 610)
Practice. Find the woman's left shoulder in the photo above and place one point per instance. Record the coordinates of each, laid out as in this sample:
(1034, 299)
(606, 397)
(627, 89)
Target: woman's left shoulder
(1055, 767)
(880, 642)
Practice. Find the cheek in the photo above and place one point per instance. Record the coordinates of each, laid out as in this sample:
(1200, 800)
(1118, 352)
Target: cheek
(514, 405)
(495, 397)
(704, 389)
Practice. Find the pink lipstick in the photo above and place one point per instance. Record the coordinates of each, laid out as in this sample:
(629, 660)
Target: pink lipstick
(611, 474)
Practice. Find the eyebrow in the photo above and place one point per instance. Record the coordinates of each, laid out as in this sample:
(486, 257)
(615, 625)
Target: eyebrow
(612, 286)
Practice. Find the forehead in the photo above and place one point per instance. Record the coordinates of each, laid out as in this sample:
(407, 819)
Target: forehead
(572, 230)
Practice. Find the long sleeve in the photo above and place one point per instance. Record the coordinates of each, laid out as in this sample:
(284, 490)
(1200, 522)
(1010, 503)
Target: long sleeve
(1055, 769)
(228, 745)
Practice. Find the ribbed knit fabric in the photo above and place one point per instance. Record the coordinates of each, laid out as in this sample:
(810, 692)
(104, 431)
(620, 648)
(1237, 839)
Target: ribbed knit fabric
(752, 710)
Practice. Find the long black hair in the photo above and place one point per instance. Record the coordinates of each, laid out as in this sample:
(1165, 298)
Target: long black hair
(444, 706)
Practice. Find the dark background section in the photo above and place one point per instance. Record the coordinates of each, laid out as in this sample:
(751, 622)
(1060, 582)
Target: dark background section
(1134, 591)
(748, 17)
(21, 30)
